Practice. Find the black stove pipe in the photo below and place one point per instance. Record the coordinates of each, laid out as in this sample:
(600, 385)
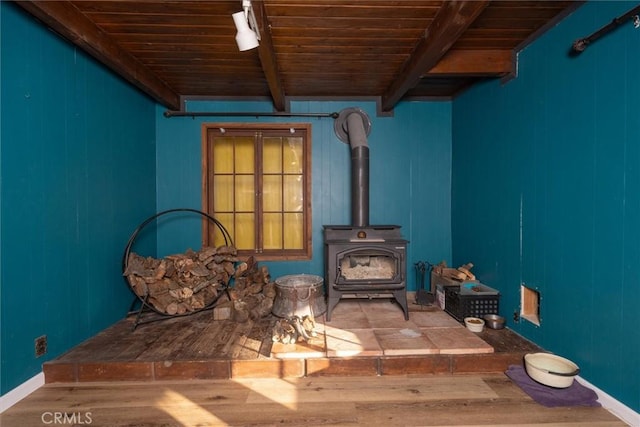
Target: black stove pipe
(359, 170)
(352, 126)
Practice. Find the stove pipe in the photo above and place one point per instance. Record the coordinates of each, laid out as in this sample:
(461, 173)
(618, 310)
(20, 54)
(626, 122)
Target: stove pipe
(352, 126)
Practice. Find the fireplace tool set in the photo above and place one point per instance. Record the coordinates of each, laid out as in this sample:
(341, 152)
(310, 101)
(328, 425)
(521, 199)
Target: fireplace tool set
(423, 297)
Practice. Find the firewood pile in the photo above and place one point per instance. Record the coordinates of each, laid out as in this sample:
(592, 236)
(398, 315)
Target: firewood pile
(252, 294)
(185, 283)
(293, 329)
(459, 274)
(252, 297)
(182, 283)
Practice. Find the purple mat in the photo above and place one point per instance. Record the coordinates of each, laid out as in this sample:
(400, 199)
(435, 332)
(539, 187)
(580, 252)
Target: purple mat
(574, 395)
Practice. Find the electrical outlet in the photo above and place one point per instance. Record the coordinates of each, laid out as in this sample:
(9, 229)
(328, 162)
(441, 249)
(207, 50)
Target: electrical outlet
(41, 345)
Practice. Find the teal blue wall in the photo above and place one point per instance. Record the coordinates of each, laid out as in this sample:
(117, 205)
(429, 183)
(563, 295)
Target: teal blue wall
(410, 164)
(546, 192)
(540, 186)
(77, 169)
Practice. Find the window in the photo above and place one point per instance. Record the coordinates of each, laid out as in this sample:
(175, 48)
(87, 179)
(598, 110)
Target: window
(257, 183)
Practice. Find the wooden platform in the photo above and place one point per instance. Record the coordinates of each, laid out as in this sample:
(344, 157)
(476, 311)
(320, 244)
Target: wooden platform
(363, 338)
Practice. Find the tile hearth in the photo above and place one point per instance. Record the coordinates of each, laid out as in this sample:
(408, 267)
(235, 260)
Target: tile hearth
(376, 327)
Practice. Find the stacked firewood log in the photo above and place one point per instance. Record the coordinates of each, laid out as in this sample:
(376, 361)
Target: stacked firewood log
(460, 274)
(185, 283)
(253, 292)
(182, 283)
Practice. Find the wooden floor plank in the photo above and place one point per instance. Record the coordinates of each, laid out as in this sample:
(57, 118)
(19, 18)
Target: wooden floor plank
(174, 341)
(363, 389)
(478, 413)
(504, 387)
(105, 346)
(187, 415)
(101, 395)
(257, 343)
(473, 400)
(219, 344)
(238, 338)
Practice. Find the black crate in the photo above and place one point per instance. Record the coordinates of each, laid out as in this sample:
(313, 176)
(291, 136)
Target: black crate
(461, 306)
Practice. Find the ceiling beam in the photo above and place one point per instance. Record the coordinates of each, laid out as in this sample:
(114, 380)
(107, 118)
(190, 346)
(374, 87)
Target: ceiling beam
(267, 56)
(451, 21)
(66, 20)
(475, 62)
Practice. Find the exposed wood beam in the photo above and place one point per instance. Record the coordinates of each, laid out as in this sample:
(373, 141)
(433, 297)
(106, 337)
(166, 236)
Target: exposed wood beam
(267, 56)
(451, 21)
(490, 62)
(65, 19)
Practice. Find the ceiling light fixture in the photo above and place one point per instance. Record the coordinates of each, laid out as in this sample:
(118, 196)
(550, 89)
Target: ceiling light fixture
(248, 34)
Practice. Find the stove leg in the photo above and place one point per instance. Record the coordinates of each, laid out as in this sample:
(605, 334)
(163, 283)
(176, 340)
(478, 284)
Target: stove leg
(401, 297)
(332, 301)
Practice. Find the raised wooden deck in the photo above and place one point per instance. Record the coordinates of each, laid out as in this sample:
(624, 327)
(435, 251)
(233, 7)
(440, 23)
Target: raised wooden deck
(364, 338)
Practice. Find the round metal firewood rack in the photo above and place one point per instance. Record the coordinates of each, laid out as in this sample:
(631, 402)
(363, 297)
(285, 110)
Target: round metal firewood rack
(143, 301)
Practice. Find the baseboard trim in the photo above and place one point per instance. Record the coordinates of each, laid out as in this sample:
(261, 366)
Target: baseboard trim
(23, 390)
(612, 405)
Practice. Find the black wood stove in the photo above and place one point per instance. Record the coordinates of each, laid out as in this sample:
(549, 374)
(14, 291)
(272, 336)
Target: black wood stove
(365, 261)
(360, 259)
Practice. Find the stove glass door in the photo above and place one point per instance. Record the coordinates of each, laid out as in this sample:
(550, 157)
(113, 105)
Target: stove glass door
(369, 265)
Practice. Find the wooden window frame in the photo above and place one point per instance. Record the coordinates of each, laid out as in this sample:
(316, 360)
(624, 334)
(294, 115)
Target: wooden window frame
(207, 227)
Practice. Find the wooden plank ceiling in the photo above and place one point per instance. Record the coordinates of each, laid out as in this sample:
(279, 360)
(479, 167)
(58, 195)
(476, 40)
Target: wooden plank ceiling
(309, 49)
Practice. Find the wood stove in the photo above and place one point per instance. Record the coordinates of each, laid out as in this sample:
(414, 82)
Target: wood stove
(365, 261)
(362, 259)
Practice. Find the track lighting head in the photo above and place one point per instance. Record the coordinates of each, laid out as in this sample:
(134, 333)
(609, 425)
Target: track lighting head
(247, 36)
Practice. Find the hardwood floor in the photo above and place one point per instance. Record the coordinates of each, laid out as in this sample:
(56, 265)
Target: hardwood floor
(193, 371)
(448, 400)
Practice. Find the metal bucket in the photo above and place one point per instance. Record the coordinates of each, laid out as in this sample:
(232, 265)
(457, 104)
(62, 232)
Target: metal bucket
(299, 295)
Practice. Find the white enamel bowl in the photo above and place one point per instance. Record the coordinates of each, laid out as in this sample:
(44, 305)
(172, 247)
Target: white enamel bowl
(550, 370)
(474, 324)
